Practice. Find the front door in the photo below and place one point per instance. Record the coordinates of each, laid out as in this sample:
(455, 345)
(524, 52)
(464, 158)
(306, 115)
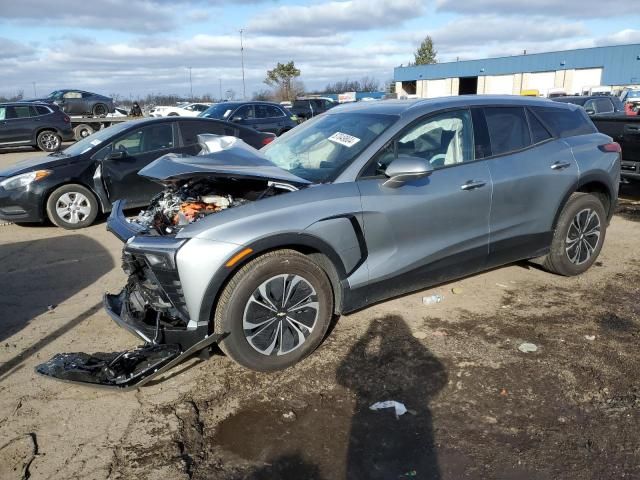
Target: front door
(123, 158)
(72, 103)
(432, 229)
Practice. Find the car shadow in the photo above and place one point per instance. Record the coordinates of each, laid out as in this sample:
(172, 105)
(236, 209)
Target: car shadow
(38, 275)
(337, 435)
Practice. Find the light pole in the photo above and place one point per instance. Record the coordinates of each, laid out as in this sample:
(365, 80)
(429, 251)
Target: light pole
(35, 94)
(190, 84)
(244, 93)
(220, 85)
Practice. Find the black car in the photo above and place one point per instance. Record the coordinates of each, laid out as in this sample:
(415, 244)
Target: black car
(262, 116)
(33, 124)
(79, 102)
(595, 104)
(305, 108)
(72, 186)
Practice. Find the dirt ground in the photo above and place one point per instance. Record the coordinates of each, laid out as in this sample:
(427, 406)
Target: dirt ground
(478, 407)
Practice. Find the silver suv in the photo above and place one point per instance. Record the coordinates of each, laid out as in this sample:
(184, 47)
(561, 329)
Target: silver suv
(258, 250)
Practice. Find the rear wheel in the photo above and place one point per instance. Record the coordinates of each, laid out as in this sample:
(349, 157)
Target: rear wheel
(82, 131)
(275, 311)
(173, 114)
(578, 236)
(72, 207)
(100, 110)
(49, 141)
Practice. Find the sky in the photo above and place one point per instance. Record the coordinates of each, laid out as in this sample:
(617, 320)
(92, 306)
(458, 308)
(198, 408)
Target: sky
(137, 47)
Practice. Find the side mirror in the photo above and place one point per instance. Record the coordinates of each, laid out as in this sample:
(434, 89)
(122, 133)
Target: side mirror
(590, 111)
(117, 155)
(406, 168)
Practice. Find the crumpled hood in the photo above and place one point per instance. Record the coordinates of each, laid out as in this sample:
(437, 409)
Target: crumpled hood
(221, 157)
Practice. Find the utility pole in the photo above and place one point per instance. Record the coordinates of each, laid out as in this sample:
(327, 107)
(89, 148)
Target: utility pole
(35, 94)
(244, 93)
(220, 85)
(190, 85)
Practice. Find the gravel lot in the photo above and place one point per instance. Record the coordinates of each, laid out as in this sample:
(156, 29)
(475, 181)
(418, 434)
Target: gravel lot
(478, 407)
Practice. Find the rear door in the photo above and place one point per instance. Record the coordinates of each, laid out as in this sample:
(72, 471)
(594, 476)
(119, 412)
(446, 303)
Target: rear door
(17, 126)
(246, 116)
(137, 148)
(531, 173)
(72, 103)
(434, 228)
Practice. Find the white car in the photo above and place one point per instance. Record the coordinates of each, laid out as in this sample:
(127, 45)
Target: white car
(189, 110)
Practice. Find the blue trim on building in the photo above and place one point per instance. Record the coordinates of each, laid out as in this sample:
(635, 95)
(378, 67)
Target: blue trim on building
(620, 64)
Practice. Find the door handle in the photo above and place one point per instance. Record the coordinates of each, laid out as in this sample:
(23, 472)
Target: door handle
(560, 165)
(472, 184)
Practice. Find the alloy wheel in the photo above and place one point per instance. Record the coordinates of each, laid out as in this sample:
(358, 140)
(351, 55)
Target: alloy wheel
(583, 236)
(280, 314)
(50, 141)
(73, 207)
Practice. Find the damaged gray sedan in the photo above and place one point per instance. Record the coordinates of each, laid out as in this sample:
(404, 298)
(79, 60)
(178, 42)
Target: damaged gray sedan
(258, 250)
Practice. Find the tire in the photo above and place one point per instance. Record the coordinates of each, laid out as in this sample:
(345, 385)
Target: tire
(48, 141)
(82, 131)
(72, 207)
(99, 110)
(173, 114)
(578, 237)
(262, 348)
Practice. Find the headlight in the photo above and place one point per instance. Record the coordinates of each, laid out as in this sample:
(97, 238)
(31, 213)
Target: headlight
(24, 179)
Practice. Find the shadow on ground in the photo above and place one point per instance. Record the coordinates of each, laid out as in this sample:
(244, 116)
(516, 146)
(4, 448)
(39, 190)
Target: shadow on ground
(333, 435)
(36, 276)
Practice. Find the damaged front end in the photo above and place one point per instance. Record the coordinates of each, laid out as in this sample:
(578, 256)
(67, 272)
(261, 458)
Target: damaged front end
(152, 305)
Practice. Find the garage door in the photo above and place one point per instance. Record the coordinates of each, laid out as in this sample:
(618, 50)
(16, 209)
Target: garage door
(584, 79)
(438, 88)
(499, 85)
(541, 81)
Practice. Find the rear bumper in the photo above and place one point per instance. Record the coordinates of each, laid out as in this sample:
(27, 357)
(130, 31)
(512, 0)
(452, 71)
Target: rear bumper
(630, 170)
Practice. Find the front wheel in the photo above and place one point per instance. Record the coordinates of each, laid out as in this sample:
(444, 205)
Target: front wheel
(275, 311)
(49, 141)
(578, 236)
(72, 207)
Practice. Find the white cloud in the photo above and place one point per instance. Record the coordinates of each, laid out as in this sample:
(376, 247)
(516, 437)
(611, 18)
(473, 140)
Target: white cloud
(335, 17)
(568, 8)
(622, 37)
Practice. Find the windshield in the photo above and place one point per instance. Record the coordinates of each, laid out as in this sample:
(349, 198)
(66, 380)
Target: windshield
(95, 139)
(219, 111)
(318, 149)
(57, 95)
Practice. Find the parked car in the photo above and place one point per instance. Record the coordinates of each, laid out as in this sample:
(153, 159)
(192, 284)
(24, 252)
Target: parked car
(36, 124)
(79, 102)
(626, 131)
(188, 110)
(595, 104)
(363, 203)
(72, 186)
(263, 116)
(305, 108)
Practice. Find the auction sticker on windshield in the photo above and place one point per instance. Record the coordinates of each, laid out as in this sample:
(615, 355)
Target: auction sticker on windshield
(344, 139)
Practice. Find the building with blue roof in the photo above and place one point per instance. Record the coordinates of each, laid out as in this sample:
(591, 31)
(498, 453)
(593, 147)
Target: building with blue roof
(570, 72)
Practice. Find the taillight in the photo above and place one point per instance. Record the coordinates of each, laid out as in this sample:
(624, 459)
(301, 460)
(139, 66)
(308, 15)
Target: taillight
(267, 140)
(613, 147)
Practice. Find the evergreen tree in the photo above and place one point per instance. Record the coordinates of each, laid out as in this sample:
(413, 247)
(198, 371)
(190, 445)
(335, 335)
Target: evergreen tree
(426, 54)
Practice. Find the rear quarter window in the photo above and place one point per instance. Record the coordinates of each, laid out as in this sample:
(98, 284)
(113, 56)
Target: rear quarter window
(564, 122)
(42, 110)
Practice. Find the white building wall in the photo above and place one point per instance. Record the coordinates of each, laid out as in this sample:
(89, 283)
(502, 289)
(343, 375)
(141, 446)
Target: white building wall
(541, 81)
(438, 88)
(583, 79)
(498, 85)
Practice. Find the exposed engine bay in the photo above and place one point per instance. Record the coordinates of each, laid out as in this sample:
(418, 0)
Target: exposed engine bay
(180, 205)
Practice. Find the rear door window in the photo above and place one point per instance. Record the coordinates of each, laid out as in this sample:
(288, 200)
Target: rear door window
(191, 130)
(246, 112)
(563, 122)
(18, 111)
(538, 131)
(508, 129)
